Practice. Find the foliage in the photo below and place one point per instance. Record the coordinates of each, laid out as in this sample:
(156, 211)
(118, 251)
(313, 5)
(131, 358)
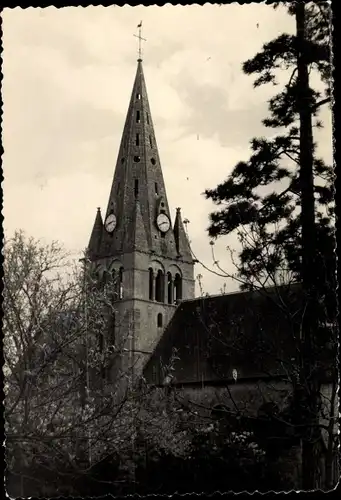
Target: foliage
(262, 196)
(215, 461)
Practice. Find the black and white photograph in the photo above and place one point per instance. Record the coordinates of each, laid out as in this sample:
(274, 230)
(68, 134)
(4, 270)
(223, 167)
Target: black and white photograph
(170, 315)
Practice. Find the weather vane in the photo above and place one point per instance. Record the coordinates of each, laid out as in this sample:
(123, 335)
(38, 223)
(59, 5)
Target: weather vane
(140, 40)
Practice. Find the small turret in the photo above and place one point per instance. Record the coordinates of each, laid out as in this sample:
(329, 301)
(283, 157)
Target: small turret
(181, 240)
(96, 236)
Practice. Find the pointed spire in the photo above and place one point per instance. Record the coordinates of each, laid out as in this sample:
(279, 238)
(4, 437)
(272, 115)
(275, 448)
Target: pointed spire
(138, 173)
(96, 235)
(181, 240)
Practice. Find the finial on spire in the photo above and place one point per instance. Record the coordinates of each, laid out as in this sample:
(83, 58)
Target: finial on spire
(140, 39)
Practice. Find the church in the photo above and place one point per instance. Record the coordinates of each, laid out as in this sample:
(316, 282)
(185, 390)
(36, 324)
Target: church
(234, 351)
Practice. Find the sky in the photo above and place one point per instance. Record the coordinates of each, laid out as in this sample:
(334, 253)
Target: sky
(67, 79)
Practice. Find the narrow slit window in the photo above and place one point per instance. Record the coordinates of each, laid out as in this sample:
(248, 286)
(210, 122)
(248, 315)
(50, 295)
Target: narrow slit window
(138, 96)
(136, 188)
(150, 141)
(147, 118)
(138, 119)
(151, 284)
(156, 188)
(137, 139)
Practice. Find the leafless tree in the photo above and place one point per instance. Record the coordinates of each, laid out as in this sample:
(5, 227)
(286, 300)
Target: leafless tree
(71, 400)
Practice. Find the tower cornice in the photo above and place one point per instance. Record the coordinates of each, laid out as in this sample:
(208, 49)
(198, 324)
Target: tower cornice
(153, 255)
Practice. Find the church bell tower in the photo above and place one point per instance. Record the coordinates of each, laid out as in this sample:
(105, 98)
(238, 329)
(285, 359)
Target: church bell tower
(135, 242)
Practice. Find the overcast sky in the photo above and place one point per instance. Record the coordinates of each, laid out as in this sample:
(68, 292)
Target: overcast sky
(68, 75)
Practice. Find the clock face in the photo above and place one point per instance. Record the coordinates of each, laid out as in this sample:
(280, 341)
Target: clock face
(163, 223)
(110, 223)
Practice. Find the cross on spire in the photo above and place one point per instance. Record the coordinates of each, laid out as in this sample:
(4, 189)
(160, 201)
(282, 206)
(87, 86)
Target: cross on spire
(140, 40)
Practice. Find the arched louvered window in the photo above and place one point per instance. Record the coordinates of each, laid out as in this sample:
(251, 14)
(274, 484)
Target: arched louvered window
(159, 286)
(169, 288)
(177, 287)
(114, 277)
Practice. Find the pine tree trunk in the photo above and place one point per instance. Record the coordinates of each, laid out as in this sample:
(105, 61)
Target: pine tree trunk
(308, 382)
